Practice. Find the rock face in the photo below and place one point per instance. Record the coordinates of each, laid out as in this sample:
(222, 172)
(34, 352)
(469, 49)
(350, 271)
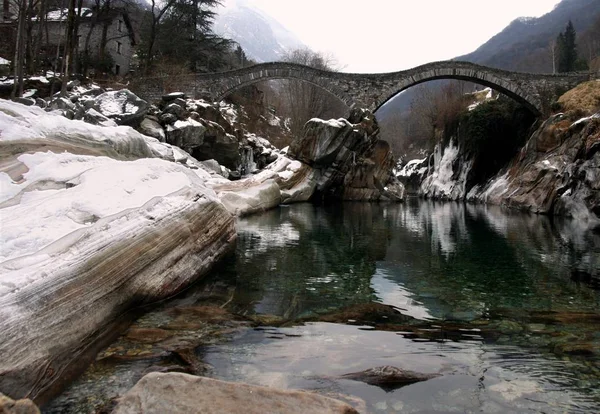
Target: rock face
(557, 172)
(349, 160)
(121, 220)
(183, 393)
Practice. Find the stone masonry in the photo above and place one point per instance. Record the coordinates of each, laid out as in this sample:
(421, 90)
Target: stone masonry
(373, 90)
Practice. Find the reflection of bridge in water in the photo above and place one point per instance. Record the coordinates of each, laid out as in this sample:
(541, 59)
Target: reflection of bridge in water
(373, 90)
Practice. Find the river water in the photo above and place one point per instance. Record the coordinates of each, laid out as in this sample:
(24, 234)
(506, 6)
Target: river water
(500, 304)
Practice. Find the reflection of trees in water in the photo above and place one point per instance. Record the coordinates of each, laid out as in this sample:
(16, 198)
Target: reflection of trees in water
(459, 260)
(477, 259)
(317, 258)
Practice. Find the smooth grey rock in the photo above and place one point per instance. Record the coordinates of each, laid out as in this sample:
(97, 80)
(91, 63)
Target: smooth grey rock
(183, 393)
(96, 118)
(153, 129)
(388, 377)
(60, 103)
(24, 101)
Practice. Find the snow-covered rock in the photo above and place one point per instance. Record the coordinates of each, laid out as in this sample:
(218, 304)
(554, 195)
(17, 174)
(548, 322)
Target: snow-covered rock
(448, 177)
(557, 172)
(123, 106)
(94, 220)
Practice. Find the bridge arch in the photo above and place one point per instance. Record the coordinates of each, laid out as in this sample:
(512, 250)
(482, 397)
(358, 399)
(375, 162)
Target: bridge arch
(501, 81)
(373, 90)
(229, 82)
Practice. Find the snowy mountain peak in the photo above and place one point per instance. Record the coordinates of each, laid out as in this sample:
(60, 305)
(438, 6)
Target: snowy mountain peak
(262, 37)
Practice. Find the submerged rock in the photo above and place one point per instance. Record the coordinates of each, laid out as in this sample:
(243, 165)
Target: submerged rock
(388, 377)
(183, 393)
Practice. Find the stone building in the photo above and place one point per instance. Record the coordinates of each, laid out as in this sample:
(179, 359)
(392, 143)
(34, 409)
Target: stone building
(112, 28)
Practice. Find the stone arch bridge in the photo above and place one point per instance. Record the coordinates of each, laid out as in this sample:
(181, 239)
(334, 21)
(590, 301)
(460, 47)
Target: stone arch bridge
(373, 90)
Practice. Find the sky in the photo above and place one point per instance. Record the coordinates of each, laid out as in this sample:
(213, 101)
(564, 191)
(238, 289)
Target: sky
(390, 35)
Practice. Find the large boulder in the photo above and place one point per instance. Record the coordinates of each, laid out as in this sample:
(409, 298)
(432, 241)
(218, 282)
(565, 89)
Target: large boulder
(352, 163)
(183, 393)
(123, 107)
(243, 198)
(119, 222)
(218, 145)
(187, 135)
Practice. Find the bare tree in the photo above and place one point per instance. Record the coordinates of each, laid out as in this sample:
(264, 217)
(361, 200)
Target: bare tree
(300, 101)
(158, 10)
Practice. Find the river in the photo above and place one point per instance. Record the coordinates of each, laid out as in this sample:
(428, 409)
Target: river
(499, 303)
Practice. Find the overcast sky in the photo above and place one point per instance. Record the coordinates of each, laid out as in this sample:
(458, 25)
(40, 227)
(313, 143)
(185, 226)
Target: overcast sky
(391, 35)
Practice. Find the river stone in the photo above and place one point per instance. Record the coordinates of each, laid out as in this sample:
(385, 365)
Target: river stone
(183, 393)
(24, 406)
(242, 200)
(388, 377)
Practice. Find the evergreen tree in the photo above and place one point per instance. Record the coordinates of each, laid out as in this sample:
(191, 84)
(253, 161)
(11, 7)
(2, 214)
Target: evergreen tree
(567, 49)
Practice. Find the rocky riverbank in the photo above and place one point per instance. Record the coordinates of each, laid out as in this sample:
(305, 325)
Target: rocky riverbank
(98, 219)
(556, 172)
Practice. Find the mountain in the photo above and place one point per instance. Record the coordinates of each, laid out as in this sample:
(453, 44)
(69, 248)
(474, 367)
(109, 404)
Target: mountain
(263, 38)
(524, 45)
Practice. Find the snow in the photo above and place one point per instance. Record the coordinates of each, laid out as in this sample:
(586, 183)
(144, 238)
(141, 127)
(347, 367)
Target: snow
(42, 79)
(54, 195)
(229, 113)
(33, 125)
(189, 122)
(412, 167)
(4, 61)
(333, 123)
(29, 93)
(586, 119)
(70, 192)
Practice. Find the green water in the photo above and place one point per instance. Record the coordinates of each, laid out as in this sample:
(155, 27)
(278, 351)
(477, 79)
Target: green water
(492, 300)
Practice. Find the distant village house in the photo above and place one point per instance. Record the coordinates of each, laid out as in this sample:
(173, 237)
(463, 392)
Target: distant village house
(105, 41)
(106, 36)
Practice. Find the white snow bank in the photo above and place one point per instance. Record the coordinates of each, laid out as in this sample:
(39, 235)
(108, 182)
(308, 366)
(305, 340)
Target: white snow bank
(66, 192)
(4, 61)
(31, 125)
(412, 167)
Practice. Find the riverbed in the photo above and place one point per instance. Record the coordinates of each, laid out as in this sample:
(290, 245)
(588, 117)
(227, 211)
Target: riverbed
(502, 305)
